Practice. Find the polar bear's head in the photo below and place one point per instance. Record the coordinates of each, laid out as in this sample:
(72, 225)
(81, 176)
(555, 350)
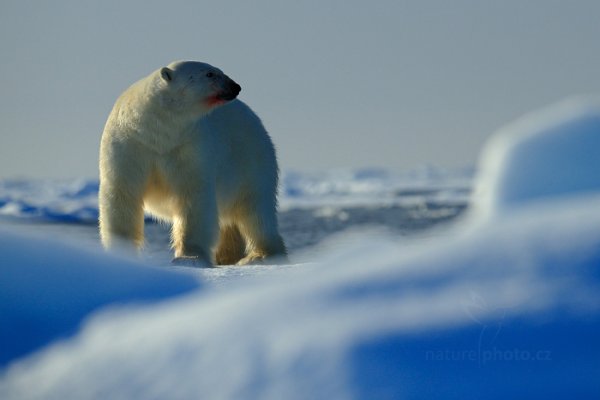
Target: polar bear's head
(195, 87)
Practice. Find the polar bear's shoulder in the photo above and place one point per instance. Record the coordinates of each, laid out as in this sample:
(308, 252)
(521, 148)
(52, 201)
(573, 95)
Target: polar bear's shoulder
(233, 113)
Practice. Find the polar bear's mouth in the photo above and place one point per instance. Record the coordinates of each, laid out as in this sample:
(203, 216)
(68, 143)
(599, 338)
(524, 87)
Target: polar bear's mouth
(226, 96)
(229, 94)
(219, 99)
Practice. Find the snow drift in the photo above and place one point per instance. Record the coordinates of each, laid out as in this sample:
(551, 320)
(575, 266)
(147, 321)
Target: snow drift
(507, 307)
(549, 154)
(47, 288)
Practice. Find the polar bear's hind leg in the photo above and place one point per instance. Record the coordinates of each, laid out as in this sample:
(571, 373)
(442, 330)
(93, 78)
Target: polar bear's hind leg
(232, 246)
(262, 237)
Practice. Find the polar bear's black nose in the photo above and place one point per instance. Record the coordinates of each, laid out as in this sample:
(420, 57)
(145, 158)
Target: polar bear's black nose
(231, 92)
(235, 88)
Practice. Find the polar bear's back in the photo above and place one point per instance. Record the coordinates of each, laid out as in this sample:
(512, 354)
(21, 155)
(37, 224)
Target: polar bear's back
(243, 137)
(240, 123)
(247, 165)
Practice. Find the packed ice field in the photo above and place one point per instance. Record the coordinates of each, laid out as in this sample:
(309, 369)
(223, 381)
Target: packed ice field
(313, 206)
(473, 283)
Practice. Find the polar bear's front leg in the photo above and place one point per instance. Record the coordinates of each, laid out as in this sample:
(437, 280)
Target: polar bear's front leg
(123, 178)
(121, 215)
(195, 226)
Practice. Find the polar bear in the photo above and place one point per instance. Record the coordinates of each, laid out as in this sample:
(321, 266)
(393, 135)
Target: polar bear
(179, 145)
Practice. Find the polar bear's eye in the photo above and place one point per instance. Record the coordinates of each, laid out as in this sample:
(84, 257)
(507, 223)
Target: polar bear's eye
(210, 74)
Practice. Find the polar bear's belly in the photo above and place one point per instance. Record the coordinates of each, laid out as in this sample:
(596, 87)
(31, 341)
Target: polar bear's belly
(161, 201)
(159, 198)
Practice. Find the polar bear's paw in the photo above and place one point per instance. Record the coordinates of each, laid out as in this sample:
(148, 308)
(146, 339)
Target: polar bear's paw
(263, 259)
(191, 261)
(252, 258)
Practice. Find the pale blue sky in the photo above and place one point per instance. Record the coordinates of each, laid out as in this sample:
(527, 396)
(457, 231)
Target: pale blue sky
(352, 83)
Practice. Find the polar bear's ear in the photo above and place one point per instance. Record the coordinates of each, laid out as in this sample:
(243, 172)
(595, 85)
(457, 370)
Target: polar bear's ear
(166, 74)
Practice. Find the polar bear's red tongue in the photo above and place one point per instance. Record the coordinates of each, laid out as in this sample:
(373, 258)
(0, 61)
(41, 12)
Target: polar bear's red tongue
(215, 100)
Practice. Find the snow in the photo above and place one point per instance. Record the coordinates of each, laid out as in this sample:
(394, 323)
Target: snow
(76, 201)
(506, 304)
(547, 154)
(53, 200)
(372, 186)
(47, 288)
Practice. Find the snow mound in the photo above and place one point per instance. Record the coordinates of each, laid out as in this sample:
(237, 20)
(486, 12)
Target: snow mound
(551, 153)
(48, 288)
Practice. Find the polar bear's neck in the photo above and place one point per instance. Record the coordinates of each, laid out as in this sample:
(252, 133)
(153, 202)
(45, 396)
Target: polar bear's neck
(153, 122)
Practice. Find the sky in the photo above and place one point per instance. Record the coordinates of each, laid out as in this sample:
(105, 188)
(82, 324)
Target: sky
(391, 84)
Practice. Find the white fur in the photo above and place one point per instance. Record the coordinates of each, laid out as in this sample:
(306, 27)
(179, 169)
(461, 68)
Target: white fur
(207, 168)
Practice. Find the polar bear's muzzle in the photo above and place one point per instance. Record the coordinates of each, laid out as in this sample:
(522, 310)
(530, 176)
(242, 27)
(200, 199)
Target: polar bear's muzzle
(231, 91)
